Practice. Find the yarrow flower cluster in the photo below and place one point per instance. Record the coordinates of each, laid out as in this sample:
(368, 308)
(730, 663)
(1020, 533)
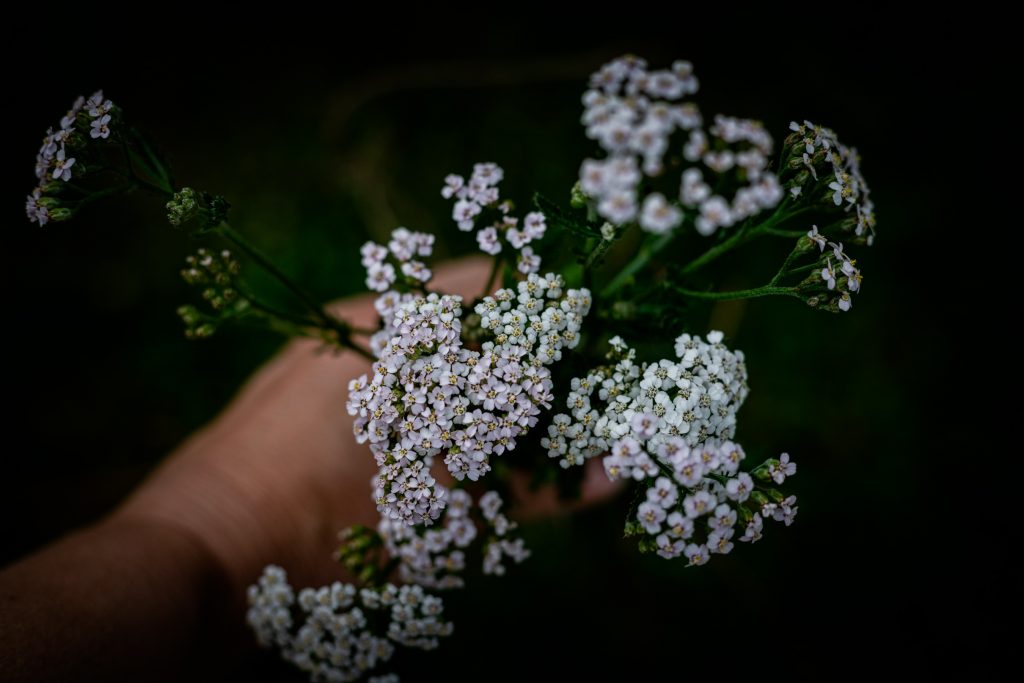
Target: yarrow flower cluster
(328, 632)
(843, 271)
(87, 119)
(692, 399)
(479, 195)
(435, 557)
(668, 425)
(461, 383)
(432, 395)
(383, 264)
(632, 113)
(817, 152)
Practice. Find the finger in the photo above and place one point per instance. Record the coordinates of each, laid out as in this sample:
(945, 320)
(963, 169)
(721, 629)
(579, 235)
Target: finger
(530, 503)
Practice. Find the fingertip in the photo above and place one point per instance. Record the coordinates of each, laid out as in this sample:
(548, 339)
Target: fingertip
(596, 485)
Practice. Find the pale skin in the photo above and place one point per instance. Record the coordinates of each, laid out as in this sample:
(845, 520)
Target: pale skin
(155, 591)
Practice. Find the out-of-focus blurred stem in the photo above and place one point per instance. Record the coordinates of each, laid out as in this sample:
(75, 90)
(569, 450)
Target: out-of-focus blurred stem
(652, 246)
(341, 329)
(767, 290)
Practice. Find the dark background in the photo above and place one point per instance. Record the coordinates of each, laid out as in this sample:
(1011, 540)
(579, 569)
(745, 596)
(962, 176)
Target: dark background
(322, 147)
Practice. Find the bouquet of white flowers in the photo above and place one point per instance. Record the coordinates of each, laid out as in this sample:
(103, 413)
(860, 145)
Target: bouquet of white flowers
(577, 348)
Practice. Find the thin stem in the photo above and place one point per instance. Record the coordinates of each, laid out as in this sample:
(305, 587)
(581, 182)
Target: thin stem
(784, 268)
(738, 238)
(784, 233)
(804, 269)
(101, 194)
(255, 254)
(767, 290)
(283, 315)
(341, 330)
(653, 246)
(360, 350)
(597, 253)
(742, 236)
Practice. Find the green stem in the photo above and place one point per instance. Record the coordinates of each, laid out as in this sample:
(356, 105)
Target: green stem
(804, 269)
(653, 245)
(283, 315)
(101, 194)
(767, 290)
(784, 268)
(742, 236)
(738, 238)
(322, 320)
(255, 254)
(157, 163)
(784, 233)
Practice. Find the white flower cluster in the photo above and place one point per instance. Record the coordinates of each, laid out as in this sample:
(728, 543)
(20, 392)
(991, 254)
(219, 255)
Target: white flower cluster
(404, 244)
(54, 161)
(823, 150)
(481, 193)
(668, 425)
(632, 113)
(738, 146)
(847, 273)
(431, 395)
(326, 632)
(435, 558)
(500, 544)
(693, 399)
(697, 496)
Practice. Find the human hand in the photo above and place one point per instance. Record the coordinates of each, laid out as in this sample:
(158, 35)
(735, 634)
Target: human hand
(278, 473)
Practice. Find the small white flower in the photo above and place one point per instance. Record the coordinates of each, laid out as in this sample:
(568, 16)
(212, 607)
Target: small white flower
(740, 488)
(828, 274)
(650, 515)
(464, 212)
(100, 127)
(658, 216)
(785, 511)
(669, 548)
(488, 241)
(618, 207)
(380, 277)
(817, 237)
(663, 493)
(700, 503)
(452, 185)
(62, 166)
(488, 173)
(417, 271)
(679, 526)
(845, 301)
(534, 225)
(714, 213)
(372, 254)
(97, 105)
(697, 554)
(528, 261)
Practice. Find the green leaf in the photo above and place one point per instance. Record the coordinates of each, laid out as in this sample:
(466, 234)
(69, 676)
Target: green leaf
(559, 219)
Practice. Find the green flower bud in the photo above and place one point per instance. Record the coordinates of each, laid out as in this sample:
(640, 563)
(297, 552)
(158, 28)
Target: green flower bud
(183, 207)
(48, 203)
(60, 214)
(577, 199)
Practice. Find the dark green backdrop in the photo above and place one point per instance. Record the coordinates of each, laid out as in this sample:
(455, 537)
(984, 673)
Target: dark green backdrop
(322, 149)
